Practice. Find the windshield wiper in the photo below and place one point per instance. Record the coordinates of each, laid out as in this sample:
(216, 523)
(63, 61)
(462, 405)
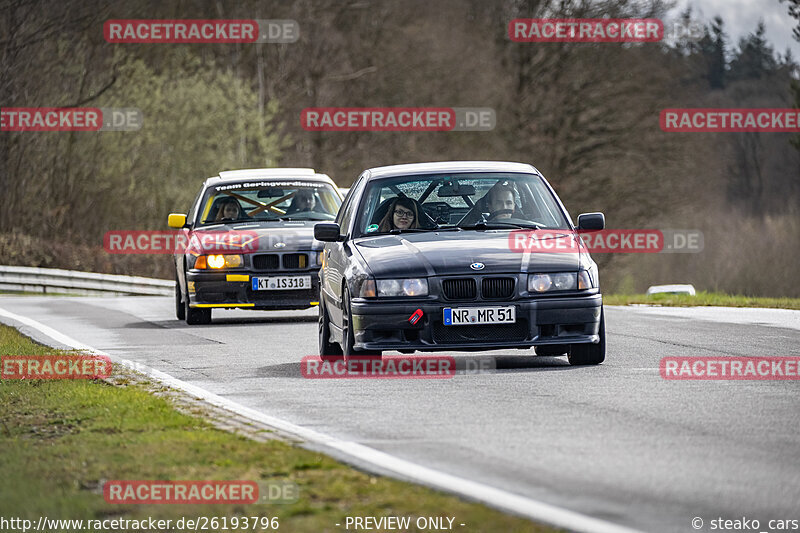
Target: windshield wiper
(397, 231)
(308, 219)
(502, 225)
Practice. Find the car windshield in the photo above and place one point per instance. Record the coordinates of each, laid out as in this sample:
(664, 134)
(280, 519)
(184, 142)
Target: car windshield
(459, 201)
(269, 201)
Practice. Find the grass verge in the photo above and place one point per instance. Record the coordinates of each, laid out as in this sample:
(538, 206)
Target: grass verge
(62, 439)
(701, 299)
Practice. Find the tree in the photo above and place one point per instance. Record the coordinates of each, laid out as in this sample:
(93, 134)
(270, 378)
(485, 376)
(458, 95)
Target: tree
(794, 12)
(755, 58)
(712, 48)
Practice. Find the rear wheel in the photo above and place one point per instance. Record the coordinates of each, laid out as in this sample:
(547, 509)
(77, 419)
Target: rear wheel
(348, 337)
(327, 349)
(180, 310)
(590, 354)
(196, 316)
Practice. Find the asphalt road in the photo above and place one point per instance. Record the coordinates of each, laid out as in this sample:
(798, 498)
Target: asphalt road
(615, 442)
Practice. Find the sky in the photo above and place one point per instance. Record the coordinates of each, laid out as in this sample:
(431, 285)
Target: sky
(741, 17)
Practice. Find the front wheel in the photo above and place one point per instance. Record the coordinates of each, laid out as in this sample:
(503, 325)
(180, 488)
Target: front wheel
(327, 349)
(348, 337)
(180, 310)
(590, 354)
(196, 316)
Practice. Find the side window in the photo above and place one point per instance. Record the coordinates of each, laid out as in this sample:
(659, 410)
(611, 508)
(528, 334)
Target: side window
(344, 207)
(348, 208)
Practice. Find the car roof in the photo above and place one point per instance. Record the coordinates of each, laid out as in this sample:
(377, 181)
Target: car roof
(302, 174)
(443, 167)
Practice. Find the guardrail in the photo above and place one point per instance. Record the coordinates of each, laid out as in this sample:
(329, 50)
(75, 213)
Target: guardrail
(57, 281)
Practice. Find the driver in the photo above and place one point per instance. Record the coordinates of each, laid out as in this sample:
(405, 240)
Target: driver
(501, 203)
(302, 202)
(229, 209)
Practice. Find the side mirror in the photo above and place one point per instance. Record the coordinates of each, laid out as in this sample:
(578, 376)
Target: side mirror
(176, 220)
(591, 221)
(327, 232)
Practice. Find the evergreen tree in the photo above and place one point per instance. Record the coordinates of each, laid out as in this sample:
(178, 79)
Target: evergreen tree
(712, 49)
(794, 12)
(755, 58)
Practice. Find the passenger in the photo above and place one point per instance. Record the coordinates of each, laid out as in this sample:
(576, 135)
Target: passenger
(402, 214)
(302, 202)
(229, 209)
(501, 203)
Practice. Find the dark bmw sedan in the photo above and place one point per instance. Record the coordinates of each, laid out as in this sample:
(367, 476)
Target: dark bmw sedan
(249, 242)
(420, 257)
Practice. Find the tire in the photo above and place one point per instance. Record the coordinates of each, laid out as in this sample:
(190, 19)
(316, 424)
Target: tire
(180, 310)
(553, 350)
(348, 337)
(196, 316)
(590, 354)
(327, 350)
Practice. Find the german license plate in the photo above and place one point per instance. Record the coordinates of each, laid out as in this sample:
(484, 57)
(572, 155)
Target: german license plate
(281, 283)
(464, 316)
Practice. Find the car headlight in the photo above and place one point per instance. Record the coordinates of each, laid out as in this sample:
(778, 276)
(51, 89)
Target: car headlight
(589, 276)
(218, 261)
(403, 287)
(366, 289)
(558, 281)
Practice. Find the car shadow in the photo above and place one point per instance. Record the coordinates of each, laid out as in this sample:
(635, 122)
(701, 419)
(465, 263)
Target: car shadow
(259, 320)
(179, 324)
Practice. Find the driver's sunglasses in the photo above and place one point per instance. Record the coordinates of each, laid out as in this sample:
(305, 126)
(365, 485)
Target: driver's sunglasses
(401, 213)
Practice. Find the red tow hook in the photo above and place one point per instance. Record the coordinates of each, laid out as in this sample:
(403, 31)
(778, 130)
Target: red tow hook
(415, 317)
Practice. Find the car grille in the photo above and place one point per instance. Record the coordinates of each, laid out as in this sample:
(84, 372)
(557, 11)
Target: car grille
(294, 261)
(517, 332)
(274, 261)
(266, 262)
(497, 287)
(459, 289)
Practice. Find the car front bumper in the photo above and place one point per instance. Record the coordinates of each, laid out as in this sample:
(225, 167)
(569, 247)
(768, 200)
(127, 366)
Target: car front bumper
(234, 290)
(381, 325)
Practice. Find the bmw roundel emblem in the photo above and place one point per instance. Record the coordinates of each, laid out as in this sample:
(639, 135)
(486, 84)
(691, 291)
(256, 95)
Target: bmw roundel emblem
(477, 266)
(279, 244)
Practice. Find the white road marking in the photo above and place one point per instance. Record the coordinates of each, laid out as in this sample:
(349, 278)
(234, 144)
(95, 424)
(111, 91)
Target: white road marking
(495, 497)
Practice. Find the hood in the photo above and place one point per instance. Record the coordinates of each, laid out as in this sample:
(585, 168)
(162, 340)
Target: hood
(451, 253)
(256, 237)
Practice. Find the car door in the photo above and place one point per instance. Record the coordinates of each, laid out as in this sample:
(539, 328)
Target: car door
(337, 255)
